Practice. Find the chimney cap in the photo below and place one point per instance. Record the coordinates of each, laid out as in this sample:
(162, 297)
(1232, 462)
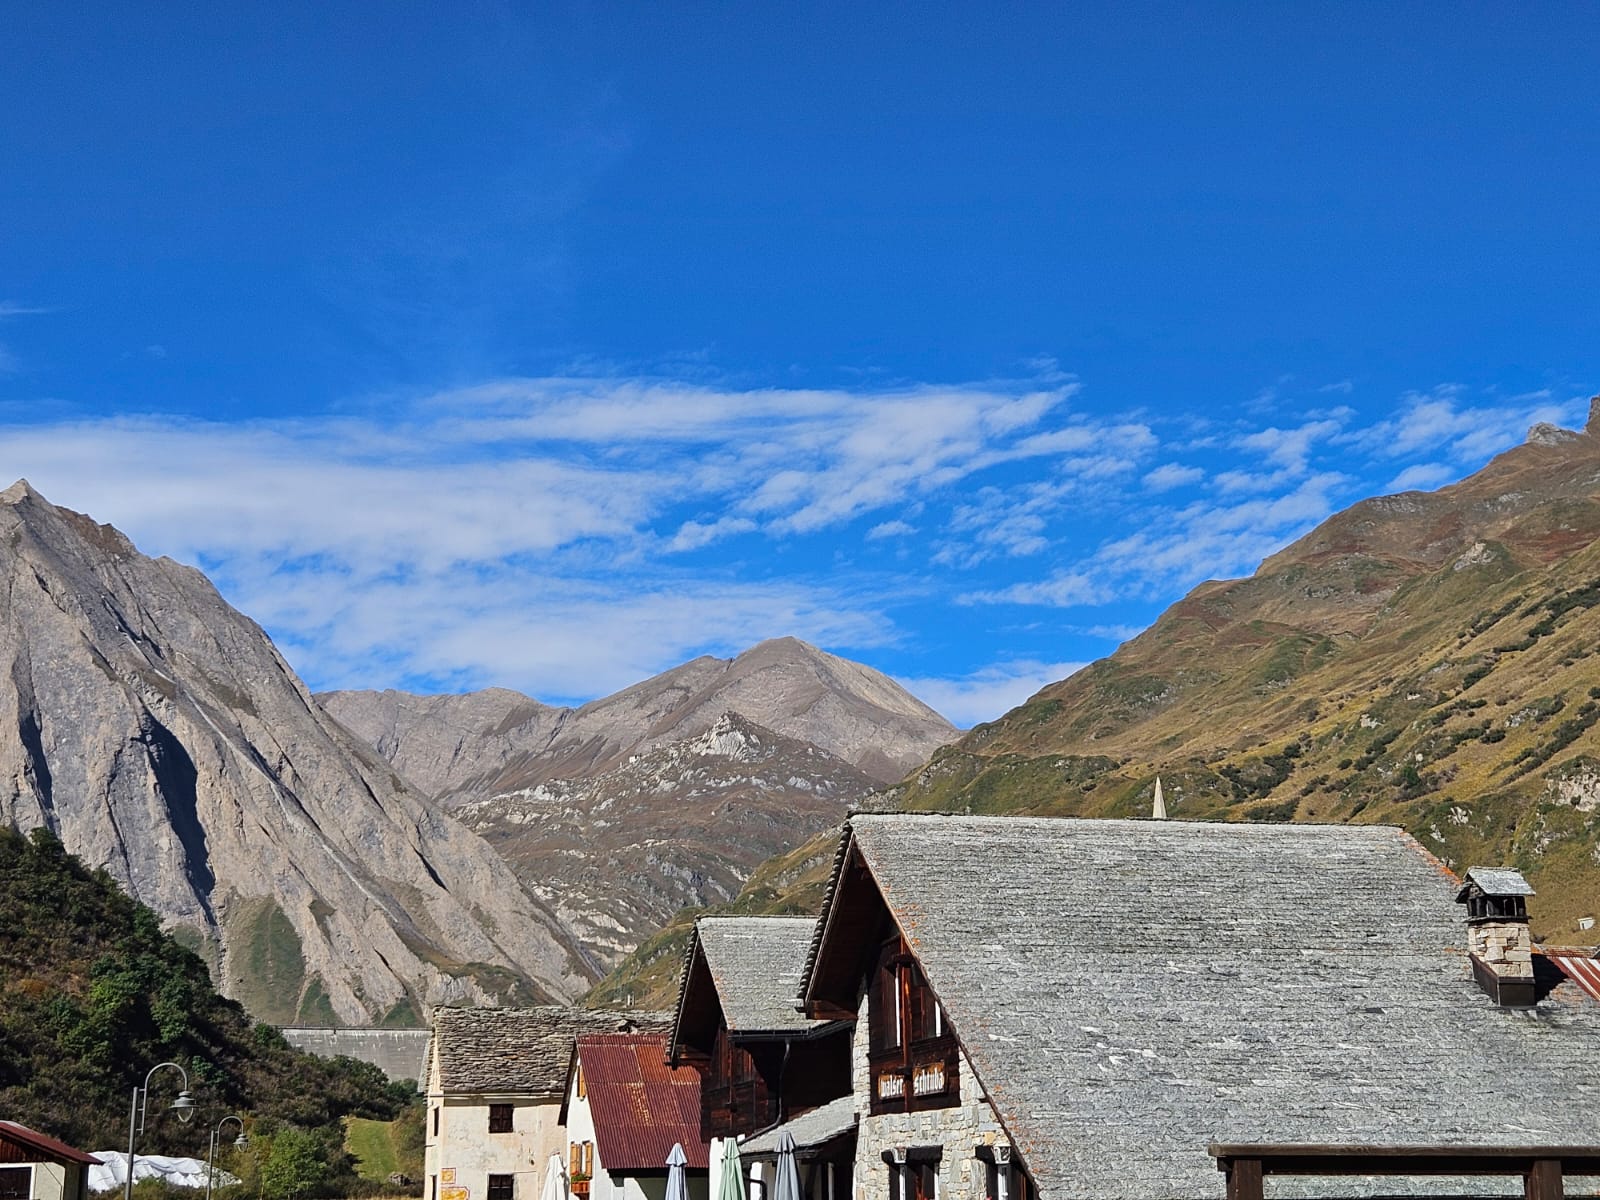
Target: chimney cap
(1494, 881)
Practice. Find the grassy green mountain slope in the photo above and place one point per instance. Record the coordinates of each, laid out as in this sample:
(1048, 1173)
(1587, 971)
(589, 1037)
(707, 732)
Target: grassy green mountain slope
(1430, 660)
(1427, 660)
(93, 994)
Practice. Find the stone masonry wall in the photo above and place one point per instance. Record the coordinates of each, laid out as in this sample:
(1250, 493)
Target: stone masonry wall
(961, 1176)
(1505, 947)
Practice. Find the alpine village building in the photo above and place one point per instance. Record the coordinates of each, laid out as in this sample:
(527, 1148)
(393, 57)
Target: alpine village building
(495, 1082)
(1010, 1008)
(625, 1110)
(761, 1061)
(34, 1166)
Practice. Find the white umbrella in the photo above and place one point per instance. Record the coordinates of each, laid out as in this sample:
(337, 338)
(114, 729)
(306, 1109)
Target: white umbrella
(677, 1177)
(787, 1184)
(555, 1180)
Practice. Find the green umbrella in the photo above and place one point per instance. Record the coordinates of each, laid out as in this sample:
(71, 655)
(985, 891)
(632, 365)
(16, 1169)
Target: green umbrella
(732, 1169)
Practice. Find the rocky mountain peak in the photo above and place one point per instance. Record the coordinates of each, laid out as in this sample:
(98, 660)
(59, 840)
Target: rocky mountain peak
(159, 733)
(1543, 433)
(667, 793)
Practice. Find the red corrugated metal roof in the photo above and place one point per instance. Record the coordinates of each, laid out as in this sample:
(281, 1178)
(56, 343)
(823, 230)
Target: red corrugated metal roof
(640, 1105)
(1581, 969)
(44, 1144)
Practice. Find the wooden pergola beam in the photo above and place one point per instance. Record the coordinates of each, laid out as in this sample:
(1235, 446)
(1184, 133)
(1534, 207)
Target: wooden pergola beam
(1542, 1168)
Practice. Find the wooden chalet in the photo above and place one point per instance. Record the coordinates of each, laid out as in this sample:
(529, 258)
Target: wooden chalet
(1163, 1010)
(761, 1061)
(35, 1166)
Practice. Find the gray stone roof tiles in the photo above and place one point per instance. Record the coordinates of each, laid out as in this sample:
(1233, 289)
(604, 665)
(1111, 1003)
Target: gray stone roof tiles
(757, 965)
(1500, 881)
(1130, 991)
(808, 1129)
(521, 1050)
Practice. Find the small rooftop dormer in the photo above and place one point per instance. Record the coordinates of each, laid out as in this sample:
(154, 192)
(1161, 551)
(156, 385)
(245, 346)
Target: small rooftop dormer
(1497, 933)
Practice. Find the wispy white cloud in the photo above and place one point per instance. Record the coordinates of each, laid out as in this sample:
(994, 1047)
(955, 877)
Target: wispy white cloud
(990, 692)
(552, 509)
(692, 535)
(567, 536)
(1422, 476)
(11, 308)
(1063, 589)
(1449, 423)
(891, 529)
(1290, 449)
(1172, 475)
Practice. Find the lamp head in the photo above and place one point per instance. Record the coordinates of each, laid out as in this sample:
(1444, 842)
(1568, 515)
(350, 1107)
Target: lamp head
(241, 1140)
(184, 1107)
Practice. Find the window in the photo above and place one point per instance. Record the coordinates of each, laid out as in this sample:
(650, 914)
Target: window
(436, 1122)
(583, 1089)
(499, 1118)
(912, 1054)
(915, 1180)
(1007, 1181)
(15, 1183)
(500, 1187)
(580, 1159)
(433, 1187)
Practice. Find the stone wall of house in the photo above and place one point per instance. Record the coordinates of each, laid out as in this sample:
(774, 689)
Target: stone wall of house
(961, 1175)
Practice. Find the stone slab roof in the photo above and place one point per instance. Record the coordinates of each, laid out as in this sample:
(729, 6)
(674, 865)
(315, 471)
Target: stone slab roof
(521, 1050)
(1130, 991)
(810, 1129)
(757, 964)
(1500, 881)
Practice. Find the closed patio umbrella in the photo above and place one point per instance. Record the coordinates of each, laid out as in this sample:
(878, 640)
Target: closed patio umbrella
(787, 1185)
(677, 1176)
(731, 1173)
(555, 1180)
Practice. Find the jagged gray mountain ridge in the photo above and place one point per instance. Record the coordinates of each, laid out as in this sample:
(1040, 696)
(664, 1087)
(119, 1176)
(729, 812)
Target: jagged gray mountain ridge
(159, 733)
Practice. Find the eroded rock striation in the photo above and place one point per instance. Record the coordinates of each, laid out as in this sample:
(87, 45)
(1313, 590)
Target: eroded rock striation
(159, 733)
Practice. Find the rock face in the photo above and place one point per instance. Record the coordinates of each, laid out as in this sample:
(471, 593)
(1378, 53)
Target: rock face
(668, 793)
(158, 732)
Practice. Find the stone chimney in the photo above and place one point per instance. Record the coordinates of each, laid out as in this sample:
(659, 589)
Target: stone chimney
(1497, 934)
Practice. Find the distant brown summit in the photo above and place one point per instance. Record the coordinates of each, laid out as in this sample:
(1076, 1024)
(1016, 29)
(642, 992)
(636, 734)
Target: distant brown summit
(159, 733)
(1426, 658)
(668, 793)
(483, 743)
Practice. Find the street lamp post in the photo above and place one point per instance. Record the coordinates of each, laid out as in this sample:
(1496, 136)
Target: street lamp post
(241, 1140)
(183, 1106)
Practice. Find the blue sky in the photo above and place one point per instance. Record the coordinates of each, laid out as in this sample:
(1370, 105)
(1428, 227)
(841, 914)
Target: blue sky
(548, 346)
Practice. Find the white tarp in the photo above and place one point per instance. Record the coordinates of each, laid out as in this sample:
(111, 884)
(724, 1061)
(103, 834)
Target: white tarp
(179, 1172)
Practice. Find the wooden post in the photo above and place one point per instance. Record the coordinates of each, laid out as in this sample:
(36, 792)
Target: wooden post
(1244, 1179)
(1543, 1181)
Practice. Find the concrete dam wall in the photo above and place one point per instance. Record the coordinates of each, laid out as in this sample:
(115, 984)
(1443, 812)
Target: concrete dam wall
(401, 1054)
